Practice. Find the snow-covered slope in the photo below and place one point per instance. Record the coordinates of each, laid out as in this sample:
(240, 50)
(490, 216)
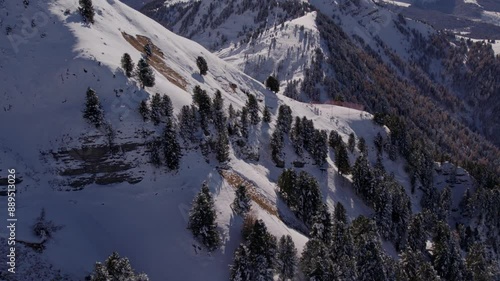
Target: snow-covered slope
(45, 71)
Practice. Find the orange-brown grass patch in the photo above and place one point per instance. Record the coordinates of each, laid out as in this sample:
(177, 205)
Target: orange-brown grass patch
(156, 60)
(235, 180)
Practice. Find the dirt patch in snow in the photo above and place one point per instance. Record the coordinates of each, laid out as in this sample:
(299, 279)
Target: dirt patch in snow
(157, 59)
(235, 180)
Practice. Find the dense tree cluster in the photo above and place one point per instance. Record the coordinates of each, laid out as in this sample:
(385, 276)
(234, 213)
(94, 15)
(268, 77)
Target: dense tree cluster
(116, 268)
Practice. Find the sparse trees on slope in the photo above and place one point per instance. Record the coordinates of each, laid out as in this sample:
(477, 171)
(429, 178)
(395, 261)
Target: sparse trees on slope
(202, 65)
(93, 111)
(145, 74)
(87, 10)
(202, 219)
(127, 64)
(241, 203)
(287, 259)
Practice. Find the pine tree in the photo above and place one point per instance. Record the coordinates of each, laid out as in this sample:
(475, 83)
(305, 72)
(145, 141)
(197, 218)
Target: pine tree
(362, 177)
(417, 234)
(273, 84)
(167, 109)
(154, 153)
(266, 115)
(241, 267)
(285, 118)
(342, 159)
(87, 10)
(187, 123)
(242, 202)
(116, 268)
(244, 122)
(334, 140)
(148, 49)
(287, 260)
(370, 259)
(219, 116)
(315, 262)
(144, 110)
(447, 259)
(351, 142)
(322, 227)
(202, 219)
(156, 109)
(202, 65)
(262, 246)
(479, 268)
(253, 109)
(127, 64)
(145, 74)
(378, 141)
(277, 144)
(362, 146)
(171, 147)
(297, 137)
(222, 147)
(93, 111)
(342, 248)
(204, 103)
(320, 147)
(444, 204)
(416, 268)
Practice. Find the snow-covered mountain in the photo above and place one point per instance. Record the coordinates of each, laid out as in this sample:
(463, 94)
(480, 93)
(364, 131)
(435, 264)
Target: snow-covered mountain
(97, 185)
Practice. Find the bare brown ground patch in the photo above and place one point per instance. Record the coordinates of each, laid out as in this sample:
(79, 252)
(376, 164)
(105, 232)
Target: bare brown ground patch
(234, 179)
(157, 60)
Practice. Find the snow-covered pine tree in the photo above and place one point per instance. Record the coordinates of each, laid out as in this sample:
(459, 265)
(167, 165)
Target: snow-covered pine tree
(253, 109)
(447, 259)
(315, 262)
(219, 116)
(202, 65)
(309, 198)
(362, 177)
(187, 123)
(322, 227)
(417, 235)
(262, 246)
(342, 247)
(370, 258)
(154, 152)
(148, 49)
(342, 159)
(362, 146)
(244, 122)
(444, 204)
(416, 268)
(156, 109)
(478, 266)
(266, 115)
(320, 147)
(171, 147)
(144, 110)
(222, 146)
(287, 260)
(145, 74)
(93, 111)
(127, 64)
(167, 109)
(204, 103)
(241, 203)
(334, 140)
(351, 142)
(297, 137)
(202, 219)
(241, 267)
(285, 118)
(87, 10)
(277, 144)
(116, 268)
